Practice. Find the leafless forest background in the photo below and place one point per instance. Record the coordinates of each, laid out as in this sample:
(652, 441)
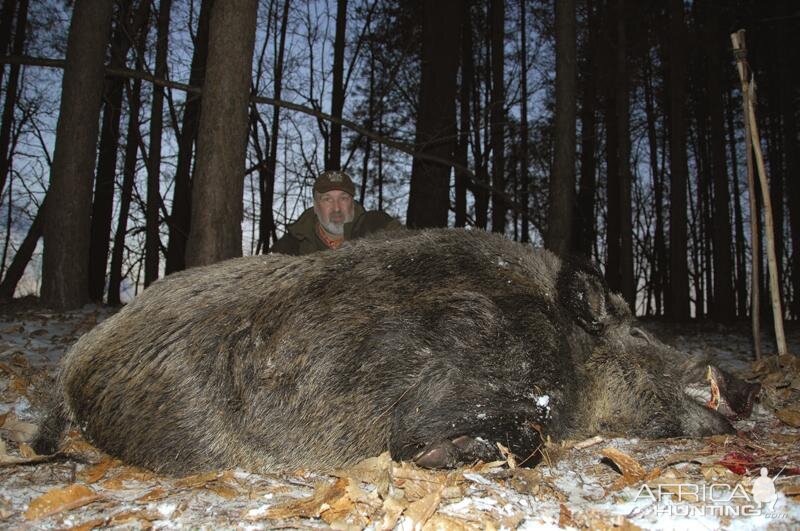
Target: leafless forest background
(158, 135)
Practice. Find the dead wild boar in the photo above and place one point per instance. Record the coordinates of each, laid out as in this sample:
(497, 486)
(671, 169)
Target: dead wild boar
(435, 345)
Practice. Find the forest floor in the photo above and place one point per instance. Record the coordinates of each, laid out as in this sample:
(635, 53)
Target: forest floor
(598, 484)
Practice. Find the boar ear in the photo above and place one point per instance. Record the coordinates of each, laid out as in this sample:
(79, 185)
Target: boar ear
(583, 292)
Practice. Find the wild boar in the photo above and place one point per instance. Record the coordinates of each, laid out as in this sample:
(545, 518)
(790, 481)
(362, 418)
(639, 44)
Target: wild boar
(435, 345)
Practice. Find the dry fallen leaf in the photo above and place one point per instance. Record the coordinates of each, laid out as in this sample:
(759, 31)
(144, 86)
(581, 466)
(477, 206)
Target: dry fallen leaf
(588, 442)
(565, 517)
(392, 509)
(632, 471)
(324, 496)
(222, 490)
(26, 451)
(421, 510)
(58, 500)
(140, 517)
(19, 385)
(96, 473)
(28, 455)
(440, 522)
(374, 470)
(128, 473)
(789, 416)
(200, 480)
(510, 458)
(89, 525)
(337, 511)
(155, 494)
(417, 482)
(18, 430)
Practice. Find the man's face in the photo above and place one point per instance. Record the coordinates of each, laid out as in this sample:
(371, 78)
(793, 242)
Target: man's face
(333, 210)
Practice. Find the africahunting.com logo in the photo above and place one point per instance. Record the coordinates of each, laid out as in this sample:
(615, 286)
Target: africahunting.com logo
(716, 499)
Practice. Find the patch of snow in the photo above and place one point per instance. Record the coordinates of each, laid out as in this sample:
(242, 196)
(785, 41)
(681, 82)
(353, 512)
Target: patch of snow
(477, 478)
(166, 509)
(22, 409)
(258, 512)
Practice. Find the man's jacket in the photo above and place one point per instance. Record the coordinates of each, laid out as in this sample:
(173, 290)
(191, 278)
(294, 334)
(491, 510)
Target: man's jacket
(301, 236)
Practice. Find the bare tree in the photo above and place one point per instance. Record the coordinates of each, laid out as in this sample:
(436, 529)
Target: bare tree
(562, 179)
(497, 16)
(723, 306)
(268, 180)
(180, 216)
(584, 219)
(102, 205)
(462, 179)
(66, 229)
(11, 92)
(678, 300)
(216, 226)
(334, 162)
(429, 198)
(152, 240)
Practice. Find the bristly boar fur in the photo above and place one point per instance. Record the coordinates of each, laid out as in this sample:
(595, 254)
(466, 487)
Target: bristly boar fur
(435, 345)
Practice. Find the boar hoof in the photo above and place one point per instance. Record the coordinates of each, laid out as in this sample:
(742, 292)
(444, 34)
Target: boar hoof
(452, 453)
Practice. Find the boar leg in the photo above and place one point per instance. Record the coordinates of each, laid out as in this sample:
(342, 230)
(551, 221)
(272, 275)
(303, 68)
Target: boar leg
(443, 425)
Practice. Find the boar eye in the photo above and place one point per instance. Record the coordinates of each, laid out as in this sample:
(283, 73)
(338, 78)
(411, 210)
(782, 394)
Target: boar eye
(638, 332)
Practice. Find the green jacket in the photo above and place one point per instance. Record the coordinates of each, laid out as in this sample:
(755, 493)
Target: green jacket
(301, 236)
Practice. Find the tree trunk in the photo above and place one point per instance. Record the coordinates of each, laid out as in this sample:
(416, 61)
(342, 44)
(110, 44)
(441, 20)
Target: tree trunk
(102, 206)
(216, 226)
(585, 213)
(6, 21)
(562, 180)
(622, 100)
(133, 138)
(128, 175)
(774, 134)
(613, 163)
(523, 119)
(369, 125)
(180, 216)
(741, 259)
(462, 180)
(11, 93)
(497, 23)
(23, 255)
(723, 302)
(429, 197)
(337, 94)
(791, 150)
(678, 307)
(65, 279)
(152, 246)
(268, 191)
(659, 250)
(481, 147)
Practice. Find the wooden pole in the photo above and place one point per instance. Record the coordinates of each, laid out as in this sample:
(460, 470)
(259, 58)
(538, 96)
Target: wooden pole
(748, 93)
(755, 243)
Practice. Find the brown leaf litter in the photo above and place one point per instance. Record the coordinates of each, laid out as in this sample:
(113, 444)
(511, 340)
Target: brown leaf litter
(575, 487)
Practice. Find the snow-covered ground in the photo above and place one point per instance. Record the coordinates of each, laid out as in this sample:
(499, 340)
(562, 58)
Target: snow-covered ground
(624, 483)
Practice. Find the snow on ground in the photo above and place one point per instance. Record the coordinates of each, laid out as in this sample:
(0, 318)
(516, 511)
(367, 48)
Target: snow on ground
(625, 483)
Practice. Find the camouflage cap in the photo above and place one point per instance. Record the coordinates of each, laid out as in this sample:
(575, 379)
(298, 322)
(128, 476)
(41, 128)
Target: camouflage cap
(334, 180)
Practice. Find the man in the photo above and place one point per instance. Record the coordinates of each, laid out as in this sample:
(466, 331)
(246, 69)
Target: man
(334, 218)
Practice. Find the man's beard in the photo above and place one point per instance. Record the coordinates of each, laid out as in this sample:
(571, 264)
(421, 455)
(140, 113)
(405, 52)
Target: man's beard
(332, 227)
